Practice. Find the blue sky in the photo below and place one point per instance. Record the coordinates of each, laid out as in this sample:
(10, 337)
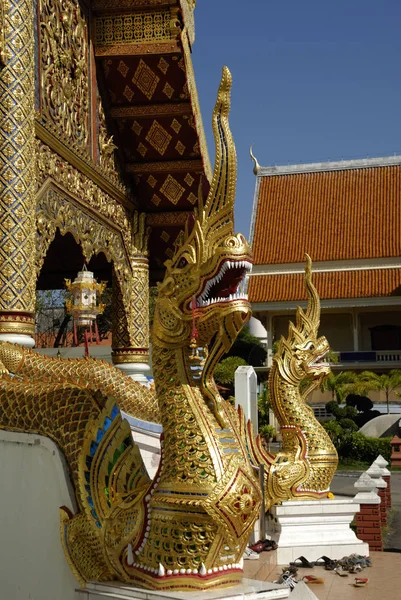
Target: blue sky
(312, 80)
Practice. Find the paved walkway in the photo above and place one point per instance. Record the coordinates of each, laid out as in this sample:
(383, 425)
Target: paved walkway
(343, 485)
(384, 583)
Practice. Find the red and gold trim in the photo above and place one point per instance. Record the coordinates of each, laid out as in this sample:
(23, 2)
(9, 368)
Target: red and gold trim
(130, 355)
(17, 322)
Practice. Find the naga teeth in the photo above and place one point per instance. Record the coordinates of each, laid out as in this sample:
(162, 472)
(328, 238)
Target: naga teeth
(130, 555)
(244, 264)
(237, 296)
(161, 571)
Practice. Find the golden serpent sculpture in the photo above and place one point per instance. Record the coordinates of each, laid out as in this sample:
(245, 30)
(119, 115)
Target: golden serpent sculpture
(187, 529)
(308, 460)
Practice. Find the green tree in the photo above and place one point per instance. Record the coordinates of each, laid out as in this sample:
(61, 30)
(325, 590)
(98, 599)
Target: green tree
(339, 384)
(248, 347)
(263, 407)
(387, 382)
(361, 403)
(333, 429)
(224, 372)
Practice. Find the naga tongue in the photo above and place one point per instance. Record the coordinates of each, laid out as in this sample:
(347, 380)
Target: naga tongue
(225, 292)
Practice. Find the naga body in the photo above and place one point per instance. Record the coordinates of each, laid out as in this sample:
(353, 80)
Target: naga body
(306, 465)
(188, 527)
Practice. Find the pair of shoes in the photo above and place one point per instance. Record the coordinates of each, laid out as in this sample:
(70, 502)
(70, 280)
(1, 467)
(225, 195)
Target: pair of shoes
(287, 579)
(302, 562)
(324, 561)
(292, 570)
(355, 562)
(250, 554)
(270, 545)
(312, 579)
(361, 581)
(263, 546)
(341, 573)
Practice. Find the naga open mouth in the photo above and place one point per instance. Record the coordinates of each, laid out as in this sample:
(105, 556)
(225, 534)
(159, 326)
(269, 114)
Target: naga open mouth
(321, 361)
(225, 286)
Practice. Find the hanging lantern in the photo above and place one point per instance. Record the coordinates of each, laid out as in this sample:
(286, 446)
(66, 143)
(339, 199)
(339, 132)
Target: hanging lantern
(83, 302)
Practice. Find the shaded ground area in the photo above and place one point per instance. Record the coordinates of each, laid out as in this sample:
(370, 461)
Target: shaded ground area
(343, 485)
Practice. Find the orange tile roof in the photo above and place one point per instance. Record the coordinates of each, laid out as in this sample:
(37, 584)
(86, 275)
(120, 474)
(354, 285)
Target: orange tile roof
(332, 215)
(330, 285)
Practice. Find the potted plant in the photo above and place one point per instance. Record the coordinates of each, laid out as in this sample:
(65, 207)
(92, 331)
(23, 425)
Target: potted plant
(268, 434)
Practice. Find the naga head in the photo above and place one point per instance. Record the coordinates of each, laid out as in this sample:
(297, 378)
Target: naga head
(201, 298)
(302, 355)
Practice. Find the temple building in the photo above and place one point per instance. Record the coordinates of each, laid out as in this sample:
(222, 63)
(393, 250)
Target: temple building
(346, 216)
(102, 156)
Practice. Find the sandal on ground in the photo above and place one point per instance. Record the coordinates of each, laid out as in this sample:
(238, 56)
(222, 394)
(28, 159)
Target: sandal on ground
(287, 579)
(264, 546)
(250, 554)
(329, 563)
(257, 547)
(302, 562)
(361, 581)
(291, 570)
(355, 568)
(312, 579)
(341, 573)
(269, 545)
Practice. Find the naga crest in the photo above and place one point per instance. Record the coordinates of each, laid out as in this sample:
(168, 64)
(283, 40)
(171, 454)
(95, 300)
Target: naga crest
(302, 354)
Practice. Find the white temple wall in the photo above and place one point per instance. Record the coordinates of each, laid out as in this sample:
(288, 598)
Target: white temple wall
(34, 484)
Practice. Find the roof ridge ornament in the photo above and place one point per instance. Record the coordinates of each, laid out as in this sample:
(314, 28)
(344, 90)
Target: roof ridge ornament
(256, 165)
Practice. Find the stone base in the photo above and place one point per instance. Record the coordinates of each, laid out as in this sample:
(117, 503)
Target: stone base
(312, 528)
(18, 338)
(249, 589)
(137, 371)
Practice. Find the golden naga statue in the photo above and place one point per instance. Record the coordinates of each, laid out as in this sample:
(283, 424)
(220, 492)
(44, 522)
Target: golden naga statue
(306, 465)
(188, 528)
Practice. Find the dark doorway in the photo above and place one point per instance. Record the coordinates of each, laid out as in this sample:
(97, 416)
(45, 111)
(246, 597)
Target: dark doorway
(64, 259)
(386, 337)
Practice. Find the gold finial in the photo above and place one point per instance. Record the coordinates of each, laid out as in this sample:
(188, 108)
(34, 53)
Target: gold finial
(256, 165)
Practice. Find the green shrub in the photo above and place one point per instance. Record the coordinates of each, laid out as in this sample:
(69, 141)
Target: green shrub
(331, 406)
(360, 447)
(340, 413)
(351, 412)
(348, 425)
(361, 403)
(268, 431)
(224, 372)
(334, 429)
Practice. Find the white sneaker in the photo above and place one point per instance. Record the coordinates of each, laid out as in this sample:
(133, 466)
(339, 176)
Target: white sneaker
(250, 555)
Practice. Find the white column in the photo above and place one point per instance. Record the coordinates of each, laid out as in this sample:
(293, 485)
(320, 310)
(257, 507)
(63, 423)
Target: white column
(355, 328)
(246, 393)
